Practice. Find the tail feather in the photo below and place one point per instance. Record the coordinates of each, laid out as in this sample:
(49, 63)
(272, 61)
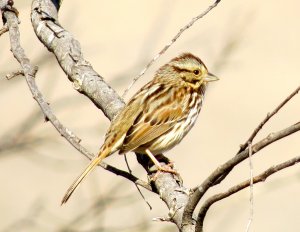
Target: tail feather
(78, 180)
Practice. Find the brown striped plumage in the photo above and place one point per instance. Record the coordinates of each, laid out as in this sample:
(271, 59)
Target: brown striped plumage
(159, 115)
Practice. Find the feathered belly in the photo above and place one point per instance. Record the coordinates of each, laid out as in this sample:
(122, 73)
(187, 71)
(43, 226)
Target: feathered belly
(174, 136)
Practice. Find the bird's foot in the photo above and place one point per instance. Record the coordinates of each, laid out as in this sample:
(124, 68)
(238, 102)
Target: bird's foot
(168, 168)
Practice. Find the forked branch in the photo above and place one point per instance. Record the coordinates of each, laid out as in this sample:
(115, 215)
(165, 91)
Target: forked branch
(29, 72)
(200, 190)
(222, 171)
(259, 178)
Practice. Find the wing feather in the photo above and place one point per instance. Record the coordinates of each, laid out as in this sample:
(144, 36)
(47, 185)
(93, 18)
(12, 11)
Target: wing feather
(129, 115)
(153, 124)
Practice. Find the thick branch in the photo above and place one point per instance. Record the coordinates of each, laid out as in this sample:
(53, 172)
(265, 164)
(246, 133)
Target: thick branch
(68, 53)
(87, 81)
(29, 72)
(259, 178)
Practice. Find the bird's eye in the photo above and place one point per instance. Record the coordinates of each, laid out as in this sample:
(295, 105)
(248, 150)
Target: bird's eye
(196, 72)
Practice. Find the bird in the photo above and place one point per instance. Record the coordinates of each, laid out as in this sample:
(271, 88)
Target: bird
(158, 116)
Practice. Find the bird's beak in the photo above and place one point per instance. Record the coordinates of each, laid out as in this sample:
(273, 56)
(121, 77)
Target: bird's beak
(210, 77)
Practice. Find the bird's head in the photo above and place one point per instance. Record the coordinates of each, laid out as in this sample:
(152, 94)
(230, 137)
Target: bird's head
(188, 68)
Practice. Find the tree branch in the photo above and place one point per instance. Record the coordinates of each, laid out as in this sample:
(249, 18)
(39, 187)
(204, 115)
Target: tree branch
(267, 118)
(3, 29)
(228, 166)
(258, 128)
(29, 72)
(259, 178)
(86, 81)
(173, 40)
(14, 74)
(68, 53)
(200, 190)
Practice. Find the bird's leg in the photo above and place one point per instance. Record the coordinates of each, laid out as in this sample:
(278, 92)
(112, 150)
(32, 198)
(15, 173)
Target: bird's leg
(166, 168)
(164, 159)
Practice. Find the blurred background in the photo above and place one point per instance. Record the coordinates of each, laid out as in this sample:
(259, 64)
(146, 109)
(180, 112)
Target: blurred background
(253, 47)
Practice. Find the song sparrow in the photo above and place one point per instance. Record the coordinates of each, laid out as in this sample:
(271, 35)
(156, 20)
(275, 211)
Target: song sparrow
(158, 116)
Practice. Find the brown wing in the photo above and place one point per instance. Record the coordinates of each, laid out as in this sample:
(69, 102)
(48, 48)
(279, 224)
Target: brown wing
(158, 116)
(128, 115)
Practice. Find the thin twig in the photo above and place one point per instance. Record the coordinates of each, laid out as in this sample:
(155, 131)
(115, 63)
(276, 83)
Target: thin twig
(29, 73)
(259, 178)
(267, 118)
(200, 190)
(3, 29)
(251, 188)
(14, 74)
(139, 190)
(174, 39)
(255, 132)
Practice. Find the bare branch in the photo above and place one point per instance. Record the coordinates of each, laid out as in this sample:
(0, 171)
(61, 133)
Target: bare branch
(228, 166)
(68, 54)
(3, 29)
(260, 126)
(251, 187)
(87, 81)
(29, 73)
(174, 39)
(14, 74)
(267, 118)
(259, 178)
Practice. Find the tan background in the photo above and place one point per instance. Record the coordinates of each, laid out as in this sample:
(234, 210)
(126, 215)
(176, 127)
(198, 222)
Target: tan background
(253, 46)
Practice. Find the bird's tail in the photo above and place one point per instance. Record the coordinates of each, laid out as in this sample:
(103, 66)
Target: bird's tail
(89, 168)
